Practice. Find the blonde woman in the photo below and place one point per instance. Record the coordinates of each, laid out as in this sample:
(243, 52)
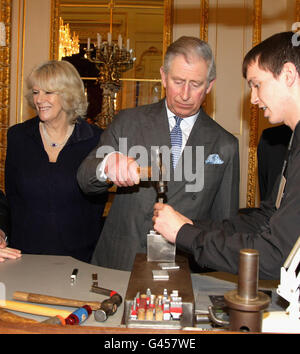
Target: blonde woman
(49, 213)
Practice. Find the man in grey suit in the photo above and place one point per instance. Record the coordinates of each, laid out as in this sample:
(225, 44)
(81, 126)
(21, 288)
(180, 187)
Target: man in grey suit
(208, 152)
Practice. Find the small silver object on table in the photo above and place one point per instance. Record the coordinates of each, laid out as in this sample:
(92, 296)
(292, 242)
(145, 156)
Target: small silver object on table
(159, 249)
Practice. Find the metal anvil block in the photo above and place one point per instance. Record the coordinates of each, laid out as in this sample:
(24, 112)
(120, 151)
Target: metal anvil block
(159, 249)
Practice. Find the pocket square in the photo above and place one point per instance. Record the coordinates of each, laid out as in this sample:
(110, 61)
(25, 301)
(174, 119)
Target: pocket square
(214, 159)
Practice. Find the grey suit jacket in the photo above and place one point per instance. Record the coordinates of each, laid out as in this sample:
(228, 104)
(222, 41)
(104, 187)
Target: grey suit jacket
(130, 217)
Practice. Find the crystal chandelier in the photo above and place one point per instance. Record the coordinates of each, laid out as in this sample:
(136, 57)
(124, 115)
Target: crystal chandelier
(68, 45)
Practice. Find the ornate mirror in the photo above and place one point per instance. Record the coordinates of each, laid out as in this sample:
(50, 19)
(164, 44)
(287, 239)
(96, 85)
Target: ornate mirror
(118, 50)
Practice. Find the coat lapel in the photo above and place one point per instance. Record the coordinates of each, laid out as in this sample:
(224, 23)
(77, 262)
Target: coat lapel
(155, 131)
(156, 125)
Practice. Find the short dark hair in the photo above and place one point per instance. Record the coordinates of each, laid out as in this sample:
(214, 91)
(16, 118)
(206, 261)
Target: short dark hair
(273, 53)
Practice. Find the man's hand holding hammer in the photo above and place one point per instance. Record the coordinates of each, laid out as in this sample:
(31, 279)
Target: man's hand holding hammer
(122, 170)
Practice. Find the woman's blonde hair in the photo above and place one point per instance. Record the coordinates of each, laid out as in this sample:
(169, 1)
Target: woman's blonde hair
(62, 78)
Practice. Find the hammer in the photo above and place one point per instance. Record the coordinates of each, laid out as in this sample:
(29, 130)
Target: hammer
(33, 309)
(108, 306)
(53, 300)
(103, 309)
(58, 319)
(144, 172)
(11, 317)
(161, 185)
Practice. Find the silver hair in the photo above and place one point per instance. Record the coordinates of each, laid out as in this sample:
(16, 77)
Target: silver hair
(190, 47)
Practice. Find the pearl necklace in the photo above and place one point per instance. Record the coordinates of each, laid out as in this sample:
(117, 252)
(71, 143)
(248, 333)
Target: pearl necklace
(52, 143)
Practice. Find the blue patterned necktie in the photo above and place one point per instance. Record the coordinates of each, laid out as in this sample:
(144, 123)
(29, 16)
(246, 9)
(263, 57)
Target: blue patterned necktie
(176, 141)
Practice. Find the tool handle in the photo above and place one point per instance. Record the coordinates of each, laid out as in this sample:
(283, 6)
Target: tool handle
(57, 320)
(11, 317)
(144, 172)
(33, 309)
(53, 300)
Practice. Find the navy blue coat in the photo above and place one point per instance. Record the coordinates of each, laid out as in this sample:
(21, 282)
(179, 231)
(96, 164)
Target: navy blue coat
(4, 214)
(49, 212)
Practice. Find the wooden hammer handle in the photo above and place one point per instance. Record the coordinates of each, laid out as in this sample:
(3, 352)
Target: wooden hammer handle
(11, 317)
(144, 172)
(53, 300)
(33, 309)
